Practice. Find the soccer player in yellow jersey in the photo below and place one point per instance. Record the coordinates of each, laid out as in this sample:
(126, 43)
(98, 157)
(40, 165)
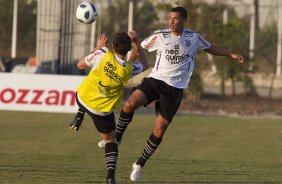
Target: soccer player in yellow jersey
(102, 90)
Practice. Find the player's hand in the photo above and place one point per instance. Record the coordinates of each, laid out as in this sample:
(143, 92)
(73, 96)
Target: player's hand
(133, 36)
(102, 41)
(239, 57)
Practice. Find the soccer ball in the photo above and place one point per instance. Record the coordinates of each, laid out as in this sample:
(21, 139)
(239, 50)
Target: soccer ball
(86, 12)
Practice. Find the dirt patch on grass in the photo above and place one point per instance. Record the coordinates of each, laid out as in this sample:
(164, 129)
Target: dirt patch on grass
(239, 105)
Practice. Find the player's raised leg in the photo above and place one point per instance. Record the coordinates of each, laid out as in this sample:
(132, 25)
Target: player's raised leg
(167, 107)
(77, 121)
(150, 147)
(136, 100)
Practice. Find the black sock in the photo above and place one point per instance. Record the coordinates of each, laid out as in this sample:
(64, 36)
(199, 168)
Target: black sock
(111, 156)
(80, 114)
(123, 121)
(152, 144)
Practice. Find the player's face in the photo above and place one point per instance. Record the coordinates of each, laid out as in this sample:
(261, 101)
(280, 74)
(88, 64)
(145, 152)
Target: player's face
(175, 22)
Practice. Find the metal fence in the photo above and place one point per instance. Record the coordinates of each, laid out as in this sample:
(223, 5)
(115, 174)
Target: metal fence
(61, 39)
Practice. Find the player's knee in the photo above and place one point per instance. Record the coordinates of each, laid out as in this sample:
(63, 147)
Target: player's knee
(128, 107)
(160, 129)
(109, 139)
(159, 133)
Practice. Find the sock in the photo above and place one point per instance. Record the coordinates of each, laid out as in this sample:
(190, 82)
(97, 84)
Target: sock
(111, 156)
(123, 121)
(152, 144)
(80, 114)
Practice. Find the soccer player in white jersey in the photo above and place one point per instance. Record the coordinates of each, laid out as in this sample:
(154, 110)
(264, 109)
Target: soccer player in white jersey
(102, 90)
(175, 49)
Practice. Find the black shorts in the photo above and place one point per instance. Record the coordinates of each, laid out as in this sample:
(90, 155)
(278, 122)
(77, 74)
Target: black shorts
(169, 98)
(104, 124)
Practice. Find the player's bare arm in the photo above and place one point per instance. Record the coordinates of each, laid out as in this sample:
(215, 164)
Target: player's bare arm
(137, 51)
(214, 50)
(142, 57)
(134, 43)
(102, 41)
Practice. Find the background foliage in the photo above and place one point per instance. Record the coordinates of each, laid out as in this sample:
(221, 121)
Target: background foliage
(150, 16)
(26, 34)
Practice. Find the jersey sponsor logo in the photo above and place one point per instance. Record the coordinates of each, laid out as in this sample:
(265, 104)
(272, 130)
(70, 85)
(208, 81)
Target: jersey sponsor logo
(37, 97)
(176, 59)
(173, 57)
(102, 91)
(97, 53)
(171, 52)
(110, 71)
(93, 55)
(150, 42)
(89, 59)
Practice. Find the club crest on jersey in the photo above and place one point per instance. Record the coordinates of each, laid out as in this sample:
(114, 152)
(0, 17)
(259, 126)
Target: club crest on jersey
(188, 33)
(188, 43)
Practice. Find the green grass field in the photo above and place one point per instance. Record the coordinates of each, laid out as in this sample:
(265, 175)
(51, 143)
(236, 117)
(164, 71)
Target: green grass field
(39, 148)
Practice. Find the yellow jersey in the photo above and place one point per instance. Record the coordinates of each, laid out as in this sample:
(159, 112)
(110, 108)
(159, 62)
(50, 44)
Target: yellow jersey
(102, 90)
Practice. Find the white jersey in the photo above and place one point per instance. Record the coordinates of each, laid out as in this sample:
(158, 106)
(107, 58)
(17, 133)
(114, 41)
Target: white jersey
(175, 55)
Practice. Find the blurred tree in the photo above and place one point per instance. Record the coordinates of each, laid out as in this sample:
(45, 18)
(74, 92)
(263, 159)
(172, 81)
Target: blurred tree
(266, 48)
(6, 18)
(231, 37)
(116, 20)
(195, 90)
(115, 17)
(26, 38)
(145, 18)
(27, 19)
(207, 19)
(266, 53)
